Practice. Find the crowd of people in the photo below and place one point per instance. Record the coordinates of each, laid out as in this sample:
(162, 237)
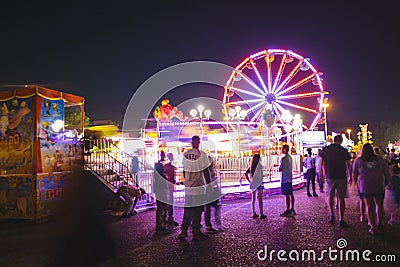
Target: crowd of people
(333, 166)
(371, 171)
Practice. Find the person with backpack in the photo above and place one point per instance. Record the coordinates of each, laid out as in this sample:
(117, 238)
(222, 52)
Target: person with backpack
(309, 165)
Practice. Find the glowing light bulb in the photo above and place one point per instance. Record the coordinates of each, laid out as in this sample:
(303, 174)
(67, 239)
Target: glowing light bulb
(207, 113)
(193, 113)
(200, 108)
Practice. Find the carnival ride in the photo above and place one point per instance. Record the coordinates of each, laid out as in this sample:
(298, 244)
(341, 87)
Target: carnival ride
(275, 82)
(269, 92)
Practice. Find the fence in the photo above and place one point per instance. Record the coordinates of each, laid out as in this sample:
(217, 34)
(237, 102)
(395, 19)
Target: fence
(105, 160)
(113, 167)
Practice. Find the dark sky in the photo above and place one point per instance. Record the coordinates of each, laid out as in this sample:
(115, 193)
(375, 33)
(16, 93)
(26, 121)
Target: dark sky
(105, 51)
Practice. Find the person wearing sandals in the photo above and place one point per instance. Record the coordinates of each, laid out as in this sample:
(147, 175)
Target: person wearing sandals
(369, 172)
(286, 167)
(256, 186)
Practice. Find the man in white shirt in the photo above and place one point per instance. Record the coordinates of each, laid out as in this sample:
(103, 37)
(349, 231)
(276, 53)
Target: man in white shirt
(196, 174)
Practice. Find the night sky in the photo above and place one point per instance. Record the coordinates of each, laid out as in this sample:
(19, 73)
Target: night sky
(104, 52)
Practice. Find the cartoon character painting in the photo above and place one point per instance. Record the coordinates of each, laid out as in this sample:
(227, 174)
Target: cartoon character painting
(58, 161)
(47, 108)
(15, 135)
(11, 120)
(46, 135)
(4, 120)
(55, 109)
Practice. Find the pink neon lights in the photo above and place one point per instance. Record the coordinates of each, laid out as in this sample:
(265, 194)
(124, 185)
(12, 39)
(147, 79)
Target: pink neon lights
(250, 82)
(296, 106)
(235, 103)
(258, 76)
(279, 74)
(296, 85)
(289, 77)
(245, 92)
(303, 95)
(278, 84)
(267, 58)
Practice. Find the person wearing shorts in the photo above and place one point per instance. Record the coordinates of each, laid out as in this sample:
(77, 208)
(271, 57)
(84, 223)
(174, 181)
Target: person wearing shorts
(336, 168)
(286, 181)
(369, 172)
(256, 185)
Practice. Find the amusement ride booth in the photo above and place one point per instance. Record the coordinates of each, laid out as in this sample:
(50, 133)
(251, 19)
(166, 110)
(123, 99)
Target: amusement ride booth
(40, 131)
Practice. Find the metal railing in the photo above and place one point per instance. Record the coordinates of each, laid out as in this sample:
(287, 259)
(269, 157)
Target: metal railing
(112, 166)
(101, 157)
(232, 168)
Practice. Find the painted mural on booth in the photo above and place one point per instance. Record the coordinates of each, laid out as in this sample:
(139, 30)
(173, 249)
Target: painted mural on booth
(16, 136)
(49, 189)
(57, 152)
(16, 199)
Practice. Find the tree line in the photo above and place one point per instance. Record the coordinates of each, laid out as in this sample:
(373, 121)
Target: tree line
(385, 132)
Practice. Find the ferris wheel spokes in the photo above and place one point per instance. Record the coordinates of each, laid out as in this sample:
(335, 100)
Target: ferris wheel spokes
(315, 121)
(259, 76)
(267, 59)
(245, 92)
(296, 85)
(297, 106)
(302, 95)
(257, 115)
(285, 78)
(279, 74)
(289, 77)
(280, 108)
(276, 106)
(244, 102)
(247, 79)
(255, 107)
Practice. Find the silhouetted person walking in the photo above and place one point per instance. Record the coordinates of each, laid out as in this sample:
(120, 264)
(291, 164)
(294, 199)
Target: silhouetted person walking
(336, 168)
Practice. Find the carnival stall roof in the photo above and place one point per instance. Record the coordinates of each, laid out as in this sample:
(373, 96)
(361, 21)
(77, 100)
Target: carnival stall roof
(30, 90)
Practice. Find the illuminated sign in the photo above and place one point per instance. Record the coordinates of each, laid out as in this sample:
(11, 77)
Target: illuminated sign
(313, 138)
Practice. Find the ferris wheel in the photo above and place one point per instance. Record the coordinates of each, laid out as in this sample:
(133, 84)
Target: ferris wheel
(279, 81)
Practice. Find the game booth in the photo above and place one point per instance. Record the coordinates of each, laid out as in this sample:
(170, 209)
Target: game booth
(40, 131)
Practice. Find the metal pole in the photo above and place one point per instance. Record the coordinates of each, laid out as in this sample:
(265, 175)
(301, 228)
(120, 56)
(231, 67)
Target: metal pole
(239, 156)
(268, 147)
(201, 132)
(326, 124)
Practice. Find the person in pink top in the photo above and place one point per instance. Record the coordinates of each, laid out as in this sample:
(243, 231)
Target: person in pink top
(369, 172)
